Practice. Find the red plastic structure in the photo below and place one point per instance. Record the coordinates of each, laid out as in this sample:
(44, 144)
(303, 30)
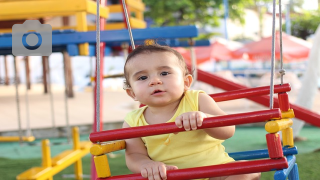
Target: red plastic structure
(274, 146)
(241, 167)
(284, 101)
(156, 129)
(249, 92)
(216, 81)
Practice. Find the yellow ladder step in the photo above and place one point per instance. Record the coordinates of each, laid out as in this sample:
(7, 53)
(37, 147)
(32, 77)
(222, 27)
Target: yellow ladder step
(33, 173)
(64, 156)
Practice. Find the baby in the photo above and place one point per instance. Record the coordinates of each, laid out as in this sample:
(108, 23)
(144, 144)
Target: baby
(158, 77)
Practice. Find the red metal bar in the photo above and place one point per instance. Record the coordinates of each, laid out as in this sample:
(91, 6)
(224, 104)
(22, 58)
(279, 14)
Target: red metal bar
(216, 81)
(284, 101)
(165, 128)
(249, 92)
(241, 167)
(274, 146)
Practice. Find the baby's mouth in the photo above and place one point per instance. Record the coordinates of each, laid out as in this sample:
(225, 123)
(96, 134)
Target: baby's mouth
(156, 91)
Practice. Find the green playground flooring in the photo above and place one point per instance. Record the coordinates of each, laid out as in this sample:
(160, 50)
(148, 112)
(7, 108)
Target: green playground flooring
(16, 158)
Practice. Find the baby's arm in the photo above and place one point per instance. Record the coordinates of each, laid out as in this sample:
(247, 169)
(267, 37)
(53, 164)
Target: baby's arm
(138, 161)
(209, 106)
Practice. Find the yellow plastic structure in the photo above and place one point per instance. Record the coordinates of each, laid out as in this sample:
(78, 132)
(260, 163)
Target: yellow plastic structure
(283, 125)
(51, 166)
(287, 114)
(102, 166)
(26, 9)
(136, 9)
(99, 149)
(16, 138)
(278, 125)
(101, 160)
(287, 137)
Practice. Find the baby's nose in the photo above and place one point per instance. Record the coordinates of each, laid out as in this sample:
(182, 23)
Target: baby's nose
(155, 81)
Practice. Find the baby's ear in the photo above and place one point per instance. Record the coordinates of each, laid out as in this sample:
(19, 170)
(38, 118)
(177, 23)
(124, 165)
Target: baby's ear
(187, 81)
(131, 93)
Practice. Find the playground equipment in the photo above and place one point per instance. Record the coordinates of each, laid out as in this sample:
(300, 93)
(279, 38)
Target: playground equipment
(16, 10)
(278, 120)
(51, 166)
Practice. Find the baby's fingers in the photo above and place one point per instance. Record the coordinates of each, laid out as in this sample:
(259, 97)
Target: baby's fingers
(200, 117)
(193, 121)
(144, 173)
(163, 172)
(178, 121)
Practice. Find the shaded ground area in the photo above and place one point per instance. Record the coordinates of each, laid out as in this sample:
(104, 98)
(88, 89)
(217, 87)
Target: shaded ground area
(15, 159)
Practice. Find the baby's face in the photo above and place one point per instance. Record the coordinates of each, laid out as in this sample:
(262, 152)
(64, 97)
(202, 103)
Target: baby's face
(156, 78)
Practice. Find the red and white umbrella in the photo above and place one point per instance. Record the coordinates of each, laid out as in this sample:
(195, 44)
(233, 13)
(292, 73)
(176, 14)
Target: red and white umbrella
(294, 49)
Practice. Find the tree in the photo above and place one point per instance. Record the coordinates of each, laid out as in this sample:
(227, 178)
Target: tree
(303, 25)
(196, 12)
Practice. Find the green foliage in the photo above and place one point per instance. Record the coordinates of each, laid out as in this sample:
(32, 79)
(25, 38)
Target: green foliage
(199, 12)
(303, 25)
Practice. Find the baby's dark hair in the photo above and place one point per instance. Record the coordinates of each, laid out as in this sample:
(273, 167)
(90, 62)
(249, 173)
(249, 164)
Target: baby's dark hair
(150, 48)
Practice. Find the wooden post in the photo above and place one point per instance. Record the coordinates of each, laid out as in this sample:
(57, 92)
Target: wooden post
(68, 74)
(44, 67)
(67, 65)
(26, 60)
(44, 73)
(6, 78)
(16, 65)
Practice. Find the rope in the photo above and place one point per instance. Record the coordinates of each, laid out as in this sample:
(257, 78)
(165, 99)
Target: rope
(98, 67)
(128, 23)
(281, 71)
(17, 99)
(273, 54)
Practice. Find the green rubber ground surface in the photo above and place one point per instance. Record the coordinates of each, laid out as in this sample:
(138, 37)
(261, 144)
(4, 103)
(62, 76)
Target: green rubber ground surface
(15, 159)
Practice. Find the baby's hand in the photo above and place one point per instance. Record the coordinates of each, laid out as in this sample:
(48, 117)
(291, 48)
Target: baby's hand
(190, 120)
(156, 170)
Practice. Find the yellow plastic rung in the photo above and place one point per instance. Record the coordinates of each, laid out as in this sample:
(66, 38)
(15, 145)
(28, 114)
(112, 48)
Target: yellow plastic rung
(287, 137)
(16, 138)
(26, 9)
(102, 166)
(278, 125)
(64, 156)
(33, 173)
(98, 149)
(287, 114)
(136, 5)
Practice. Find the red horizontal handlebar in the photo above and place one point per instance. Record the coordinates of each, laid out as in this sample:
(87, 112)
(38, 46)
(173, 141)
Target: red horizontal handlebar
(241, 167)
(249, 92)
(165, 128)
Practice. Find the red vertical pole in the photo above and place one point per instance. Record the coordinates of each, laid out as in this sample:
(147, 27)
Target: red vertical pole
(102, 47)
(283, 101)
(274, 146)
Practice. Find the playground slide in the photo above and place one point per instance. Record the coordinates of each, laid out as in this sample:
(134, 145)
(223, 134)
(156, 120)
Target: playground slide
(216, 81)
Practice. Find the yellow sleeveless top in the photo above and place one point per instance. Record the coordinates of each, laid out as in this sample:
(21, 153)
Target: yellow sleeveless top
(185, 149)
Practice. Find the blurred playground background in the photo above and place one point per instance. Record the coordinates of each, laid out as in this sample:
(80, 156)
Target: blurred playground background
(239, 34)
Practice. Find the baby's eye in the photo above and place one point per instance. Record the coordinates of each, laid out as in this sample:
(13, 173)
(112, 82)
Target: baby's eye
(142, 78)
(164, 73)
